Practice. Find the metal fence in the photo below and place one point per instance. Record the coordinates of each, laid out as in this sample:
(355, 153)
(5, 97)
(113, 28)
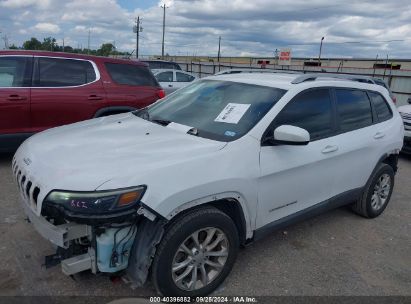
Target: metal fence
(399, 81)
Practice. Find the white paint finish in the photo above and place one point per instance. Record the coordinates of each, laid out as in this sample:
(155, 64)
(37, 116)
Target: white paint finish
(182, 170)
(297, 176)
(291, 134)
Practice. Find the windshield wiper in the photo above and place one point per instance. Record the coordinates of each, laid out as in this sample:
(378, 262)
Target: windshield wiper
(142, 113)
(162, 122)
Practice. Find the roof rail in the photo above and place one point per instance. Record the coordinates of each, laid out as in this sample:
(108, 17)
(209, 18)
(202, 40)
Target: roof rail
(255, 70)
(314, 76)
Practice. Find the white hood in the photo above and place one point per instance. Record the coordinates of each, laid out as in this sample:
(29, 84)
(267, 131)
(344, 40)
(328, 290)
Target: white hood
(85, 155)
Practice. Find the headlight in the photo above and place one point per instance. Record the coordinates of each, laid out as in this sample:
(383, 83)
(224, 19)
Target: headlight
(97, 202)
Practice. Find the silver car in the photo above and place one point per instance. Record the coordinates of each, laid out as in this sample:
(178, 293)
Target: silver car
(171, 80)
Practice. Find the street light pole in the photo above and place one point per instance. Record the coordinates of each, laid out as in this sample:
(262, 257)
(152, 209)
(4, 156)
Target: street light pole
(219, 48)
(164, 29)
(321, 47)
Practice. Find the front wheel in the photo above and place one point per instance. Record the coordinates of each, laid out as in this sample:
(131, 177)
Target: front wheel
(196, 254)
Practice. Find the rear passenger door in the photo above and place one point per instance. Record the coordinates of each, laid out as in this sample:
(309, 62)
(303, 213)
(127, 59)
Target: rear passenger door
(64, 91)
(130, 85)
(167, 81)
(183, 79)
(358, 139)
(15, 81)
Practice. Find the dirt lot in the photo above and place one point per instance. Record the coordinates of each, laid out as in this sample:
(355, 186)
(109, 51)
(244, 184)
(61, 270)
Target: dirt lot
(337, 253)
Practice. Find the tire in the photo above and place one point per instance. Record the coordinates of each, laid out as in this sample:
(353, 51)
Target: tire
(368, 205)
(170, 252)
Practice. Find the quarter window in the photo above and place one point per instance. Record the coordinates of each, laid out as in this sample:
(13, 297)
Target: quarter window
(131, 74)
(310, 110)
(13, 71)
(354, 109)
(382, 109)
(56, 72)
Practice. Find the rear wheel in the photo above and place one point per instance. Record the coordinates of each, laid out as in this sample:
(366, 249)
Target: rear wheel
(196, 254)
(377, 193)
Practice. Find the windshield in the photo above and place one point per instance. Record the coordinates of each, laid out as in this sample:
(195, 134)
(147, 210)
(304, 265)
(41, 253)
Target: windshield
(219, 110)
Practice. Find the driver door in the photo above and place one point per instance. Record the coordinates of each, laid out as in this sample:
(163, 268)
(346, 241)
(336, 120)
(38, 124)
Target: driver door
(294, 178)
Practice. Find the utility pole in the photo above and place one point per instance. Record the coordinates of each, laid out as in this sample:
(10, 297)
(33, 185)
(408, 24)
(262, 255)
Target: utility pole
(219, 48)
(88, 42)
(164, 28)
(321, 47)
(63, 45)
(137, 29)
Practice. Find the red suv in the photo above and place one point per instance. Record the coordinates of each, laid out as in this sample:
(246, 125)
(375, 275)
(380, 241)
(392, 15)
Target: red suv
(41, 90)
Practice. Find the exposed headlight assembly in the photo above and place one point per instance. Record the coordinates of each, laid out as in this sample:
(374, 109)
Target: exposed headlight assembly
(97, 202)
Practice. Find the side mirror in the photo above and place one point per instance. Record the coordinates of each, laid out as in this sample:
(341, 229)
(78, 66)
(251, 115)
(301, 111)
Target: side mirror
(291, 135)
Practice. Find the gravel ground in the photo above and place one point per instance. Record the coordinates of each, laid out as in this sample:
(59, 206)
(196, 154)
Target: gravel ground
(337, 253)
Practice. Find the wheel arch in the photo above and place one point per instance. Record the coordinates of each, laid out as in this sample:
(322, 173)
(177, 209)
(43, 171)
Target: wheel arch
(231, 203)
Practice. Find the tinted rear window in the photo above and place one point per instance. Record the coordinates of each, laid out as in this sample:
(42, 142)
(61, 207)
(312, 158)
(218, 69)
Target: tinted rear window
(354, 109)
(162, 65)
(382, 109)
(61, 72)
(130, 74)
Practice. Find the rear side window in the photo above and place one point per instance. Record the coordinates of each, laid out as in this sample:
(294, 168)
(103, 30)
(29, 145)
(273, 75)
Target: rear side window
(382, 109)
(165, 77)
(354, 109)
(310, 110)
(61, 72)
(181, 77)
(15, 72)
(130, 74)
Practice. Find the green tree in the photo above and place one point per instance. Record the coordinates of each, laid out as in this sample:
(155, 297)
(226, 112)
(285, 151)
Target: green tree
(49, 44)
(106, 49)
(32, 44)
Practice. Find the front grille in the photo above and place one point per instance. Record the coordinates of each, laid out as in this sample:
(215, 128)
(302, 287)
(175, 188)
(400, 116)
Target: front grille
(26, 185)
(405, 116)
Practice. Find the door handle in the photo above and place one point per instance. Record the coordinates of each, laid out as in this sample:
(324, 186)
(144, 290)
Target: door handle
(329, 149)
(16, 98)
(170, 85)
(95, 97)
(379, 135)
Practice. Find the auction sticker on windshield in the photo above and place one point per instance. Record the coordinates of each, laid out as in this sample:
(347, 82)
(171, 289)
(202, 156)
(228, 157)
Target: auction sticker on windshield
(232, 113)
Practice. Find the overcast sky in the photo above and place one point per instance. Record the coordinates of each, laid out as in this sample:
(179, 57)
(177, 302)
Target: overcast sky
(247, 27)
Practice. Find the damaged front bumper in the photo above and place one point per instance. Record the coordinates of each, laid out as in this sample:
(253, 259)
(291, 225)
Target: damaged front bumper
(62, 236)
(102, 247)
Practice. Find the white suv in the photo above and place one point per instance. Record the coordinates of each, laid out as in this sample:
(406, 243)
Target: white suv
(405, 112)
(173, 190)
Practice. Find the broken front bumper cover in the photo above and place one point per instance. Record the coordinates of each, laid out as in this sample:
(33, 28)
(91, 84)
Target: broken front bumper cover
(59, 235)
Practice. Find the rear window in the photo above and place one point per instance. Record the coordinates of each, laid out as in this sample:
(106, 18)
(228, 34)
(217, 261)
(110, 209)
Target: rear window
(61, 72)
(354, 109)
(382, 109)
(162, 65)
(130, 74)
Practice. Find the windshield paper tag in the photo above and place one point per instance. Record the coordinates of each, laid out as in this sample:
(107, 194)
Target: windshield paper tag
(232, 113)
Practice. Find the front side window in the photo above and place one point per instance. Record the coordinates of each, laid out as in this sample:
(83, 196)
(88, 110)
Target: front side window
(310, 110)
(14, 71)
(182, 77)
(353, 109)
(165, 77)
(382, 109)
(131, 74)
(219, 110)
(60, 72)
